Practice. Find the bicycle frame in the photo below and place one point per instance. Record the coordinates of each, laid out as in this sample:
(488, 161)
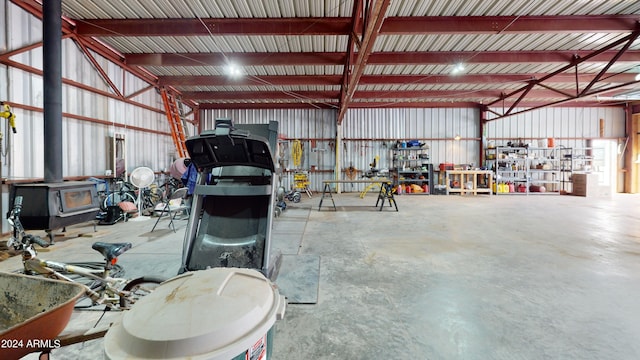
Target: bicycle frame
(108, 295)
(113, 292)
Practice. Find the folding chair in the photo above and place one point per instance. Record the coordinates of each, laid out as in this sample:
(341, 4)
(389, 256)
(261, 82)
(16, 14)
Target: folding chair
(172, 206)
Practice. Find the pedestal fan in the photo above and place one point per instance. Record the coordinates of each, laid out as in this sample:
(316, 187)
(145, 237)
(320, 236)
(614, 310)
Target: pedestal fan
(141, 178)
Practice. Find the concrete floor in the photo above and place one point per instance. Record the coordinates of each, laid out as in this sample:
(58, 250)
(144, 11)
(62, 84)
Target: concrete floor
(446, 277)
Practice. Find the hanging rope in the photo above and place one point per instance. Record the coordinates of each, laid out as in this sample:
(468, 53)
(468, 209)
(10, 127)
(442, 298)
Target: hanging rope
(296, 153)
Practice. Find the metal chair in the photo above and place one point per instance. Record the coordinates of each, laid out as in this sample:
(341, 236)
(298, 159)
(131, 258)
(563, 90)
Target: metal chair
(172, 206)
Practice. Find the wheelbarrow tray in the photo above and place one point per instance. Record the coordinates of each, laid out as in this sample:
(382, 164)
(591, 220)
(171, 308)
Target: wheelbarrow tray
(33, 311)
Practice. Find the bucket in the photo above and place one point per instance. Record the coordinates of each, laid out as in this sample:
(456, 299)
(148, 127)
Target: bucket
(214, 314)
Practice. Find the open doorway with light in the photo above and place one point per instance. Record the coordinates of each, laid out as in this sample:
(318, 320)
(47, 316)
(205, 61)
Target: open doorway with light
(604, 154)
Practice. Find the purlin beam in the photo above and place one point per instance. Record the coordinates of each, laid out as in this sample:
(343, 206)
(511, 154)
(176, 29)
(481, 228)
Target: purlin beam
(328, 80)
(358, 95)
(382, 104)
(211, 26)
(410, 25)
(376, 58)
(508, 24)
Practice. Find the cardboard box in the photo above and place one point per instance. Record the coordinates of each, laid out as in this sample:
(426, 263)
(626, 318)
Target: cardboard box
(587, 185)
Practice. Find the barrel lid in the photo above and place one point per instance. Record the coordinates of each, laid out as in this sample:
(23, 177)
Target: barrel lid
(209, 314)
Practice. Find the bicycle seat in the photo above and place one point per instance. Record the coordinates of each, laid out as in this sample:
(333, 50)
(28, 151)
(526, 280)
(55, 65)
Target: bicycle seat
(111, 251)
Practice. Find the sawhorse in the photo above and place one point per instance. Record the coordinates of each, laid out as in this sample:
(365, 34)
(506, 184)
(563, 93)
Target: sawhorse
(385, 194)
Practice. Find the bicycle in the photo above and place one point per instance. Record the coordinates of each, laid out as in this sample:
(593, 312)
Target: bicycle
(102, 288)
(169, 187)
(108, 197)
(125, 191)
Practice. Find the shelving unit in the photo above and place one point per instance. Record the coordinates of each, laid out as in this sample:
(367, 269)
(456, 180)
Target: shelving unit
(587, 160)
(511, 167)
(411, 166)
(466, 181)
(544, 168)
(532, 170)
(583, 161)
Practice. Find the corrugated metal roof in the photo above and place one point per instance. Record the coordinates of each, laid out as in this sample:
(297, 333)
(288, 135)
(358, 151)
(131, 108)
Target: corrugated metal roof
(222, 44)
(495, 42)
(233, 28)
(167, 9)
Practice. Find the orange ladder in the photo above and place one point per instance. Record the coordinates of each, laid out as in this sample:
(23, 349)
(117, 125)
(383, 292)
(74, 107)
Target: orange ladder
(175, 121)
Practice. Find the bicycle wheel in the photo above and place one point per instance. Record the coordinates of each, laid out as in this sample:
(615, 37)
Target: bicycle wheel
(116, 198)
(138, 288)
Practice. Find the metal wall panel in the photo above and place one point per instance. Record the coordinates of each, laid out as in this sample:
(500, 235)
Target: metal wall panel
(436, 127)
(367, 134)
(293, 123)
(86, 142)
(570, 127)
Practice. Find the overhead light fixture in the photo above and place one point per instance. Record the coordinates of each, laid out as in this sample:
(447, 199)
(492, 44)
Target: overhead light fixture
(457, 69)
(457, 138)
(233, 70)
(638, 77)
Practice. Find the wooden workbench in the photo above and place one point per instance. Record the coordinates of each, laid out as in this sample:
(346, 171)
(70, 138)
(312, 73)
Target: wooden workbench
(464, 176)
(385, 194)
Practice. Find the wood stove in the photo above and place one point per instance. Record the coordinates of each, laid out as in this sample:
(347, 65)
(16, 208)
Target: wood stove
(49, 206)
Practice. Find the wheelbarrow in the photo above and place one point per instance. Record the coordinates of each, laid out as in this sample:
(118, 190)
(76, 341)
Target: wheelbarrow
(33, 312)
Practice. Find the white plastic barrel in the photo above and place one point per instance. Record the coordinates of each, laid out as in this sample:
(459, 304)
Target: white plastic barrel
(215, 314)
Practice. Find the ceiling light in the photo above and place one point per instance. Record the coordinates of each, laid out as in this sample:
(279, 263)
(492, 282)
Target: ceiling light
(457, 69)
(638, 77)
(457, 138)
(233, 70)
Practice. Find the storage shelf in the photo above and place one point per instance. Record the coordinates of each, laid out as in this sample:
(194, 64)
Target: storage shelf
(417, 165)
(557, 160)
(466, 177)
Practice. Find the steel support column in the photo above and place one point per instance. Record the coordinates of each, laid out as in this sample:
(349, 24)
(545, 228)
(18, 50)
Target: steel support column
(52, 65)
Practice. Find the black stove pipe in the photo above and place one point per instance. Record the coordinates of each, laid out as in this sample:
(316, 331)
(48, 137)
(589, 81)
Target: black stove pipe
(52, 68)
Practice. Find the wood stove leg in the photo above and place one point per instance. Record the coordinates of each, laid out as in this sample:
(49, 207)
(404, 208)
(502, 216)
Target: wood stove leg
(51, 236)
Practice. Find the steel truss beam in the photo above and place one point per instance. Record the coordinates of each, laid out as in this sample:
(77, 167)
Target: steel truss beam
(523, 91)
(327, 80)
(376, 58)
(410, 25)
(372, 21)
